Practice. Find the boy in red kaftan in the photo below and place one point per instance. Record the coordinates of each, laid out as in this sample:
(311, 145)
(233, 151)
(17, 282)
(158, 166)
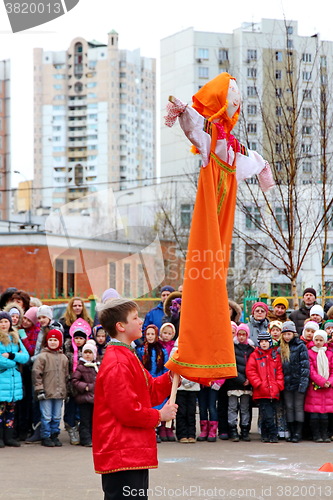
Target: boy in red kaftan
(124, 439)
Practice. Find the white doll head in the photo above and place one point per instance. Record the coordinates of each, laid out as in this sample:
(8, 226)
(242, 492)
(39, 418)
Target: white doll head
(233, 98)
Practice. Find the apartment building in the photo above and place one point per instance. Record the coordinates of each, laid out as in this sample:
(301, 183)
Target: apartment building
(285, 80)
(5, 160)
(94, 122)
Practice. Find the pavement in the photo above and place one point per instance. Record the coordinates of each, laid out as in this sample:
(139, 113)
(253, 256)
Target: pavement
(206, 471)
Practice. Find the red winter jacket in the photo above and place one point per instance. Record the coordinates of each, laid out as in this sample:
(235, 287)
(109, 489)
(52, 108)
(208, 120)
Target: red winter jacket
(264, 372)
(124, 421)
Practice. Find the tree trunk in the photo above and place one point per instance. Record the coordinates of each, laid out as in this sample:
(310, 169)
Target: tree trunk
(294, 293)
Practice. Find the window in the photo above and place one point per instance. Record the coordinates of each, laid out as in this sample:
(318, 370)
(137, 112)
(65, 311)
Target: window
(253, 146)
(203, 53)
(203, 72)
(306, 75)
(251, 55)
(290, 30)
(127, 280)
(251, 91)
(252, 217)
(290, 44)
(278, 55)
(278, 128)
(251, 255)
(112, 275)
(186, 215)
(252, 128)
(306, 130)
(306, 148)
(278, 74)
(278, 110)
(281, 218)
(306, 57)
(252, 109)
(57, 86)
(278, 147)
(140, 280)
(323, 61)
(90, 85)
(252, 72)
(278, 92)
(307, 94)
(278, 166)
(223, 55)
(307, 167)
(58, 76)
(329, 254)
(64, 277)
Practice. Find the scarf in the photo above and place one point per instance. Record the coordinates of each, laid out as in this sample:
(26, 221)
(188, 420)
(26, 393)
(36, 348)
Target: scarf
(322, 361)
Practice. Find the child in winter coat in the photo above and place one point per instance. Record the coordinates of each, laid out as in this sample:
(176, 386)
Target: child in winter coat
(310, 327)
(12, 354)
(319, 396)
(79, 332)
(317, 314)
(274, 328)
(264, 372)
(83, 380)
(50, 374)
(296, 371)
(16, 313)
(186, 400)
(166, 336)
(207, 399)
(101, 338)
(239, 389)
(153, 357)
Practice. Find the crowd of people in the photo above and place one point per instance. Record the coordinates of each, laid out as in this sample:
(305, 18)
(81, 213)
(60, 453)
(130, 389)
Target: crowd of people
(284, 368)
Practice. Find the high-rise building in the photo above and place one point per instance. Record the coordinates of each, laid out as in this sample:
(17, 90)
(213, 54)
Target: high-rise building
(94, 110)
(286, 85)
(275, 67)
(4, 138)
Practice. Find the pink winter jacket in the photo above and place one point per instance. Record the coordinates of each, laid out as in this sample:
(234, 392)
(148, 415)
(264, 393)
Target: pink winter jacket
(319, 400)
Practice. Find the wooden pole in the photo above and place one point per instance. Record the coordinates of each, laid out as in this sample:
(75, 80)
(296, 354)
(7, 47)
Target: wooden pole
(172, 400)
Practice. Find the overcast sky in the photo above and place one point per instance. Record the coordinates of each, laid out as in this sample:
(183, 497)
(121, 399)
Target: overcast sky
(140, 24)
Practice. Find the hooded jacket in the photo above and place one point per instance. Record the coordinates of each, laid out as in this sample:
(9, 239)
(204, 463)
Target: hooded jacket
(296, 371)
(10, 377)
(83, 377)
(242, 354)
(50, 373)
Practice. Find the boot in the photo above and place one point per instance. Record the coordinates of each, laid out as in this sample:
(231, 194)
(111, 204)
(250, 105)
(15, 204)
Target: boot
(162, 432)
(2, 444)
(35, 437)
(234, 434)
(204, 430)
(324, 431)
(9, 438)
(315, 429)
(245, 429)
(54, 438)
(212, 431)
(47, 442)
(290, 426)
(297, 433)
(73, 433)
(170, 434)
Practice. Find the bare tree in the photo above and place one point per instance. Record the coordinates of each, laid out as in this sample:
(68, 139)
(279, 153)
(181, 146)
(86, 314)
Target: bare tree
(288, 220)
